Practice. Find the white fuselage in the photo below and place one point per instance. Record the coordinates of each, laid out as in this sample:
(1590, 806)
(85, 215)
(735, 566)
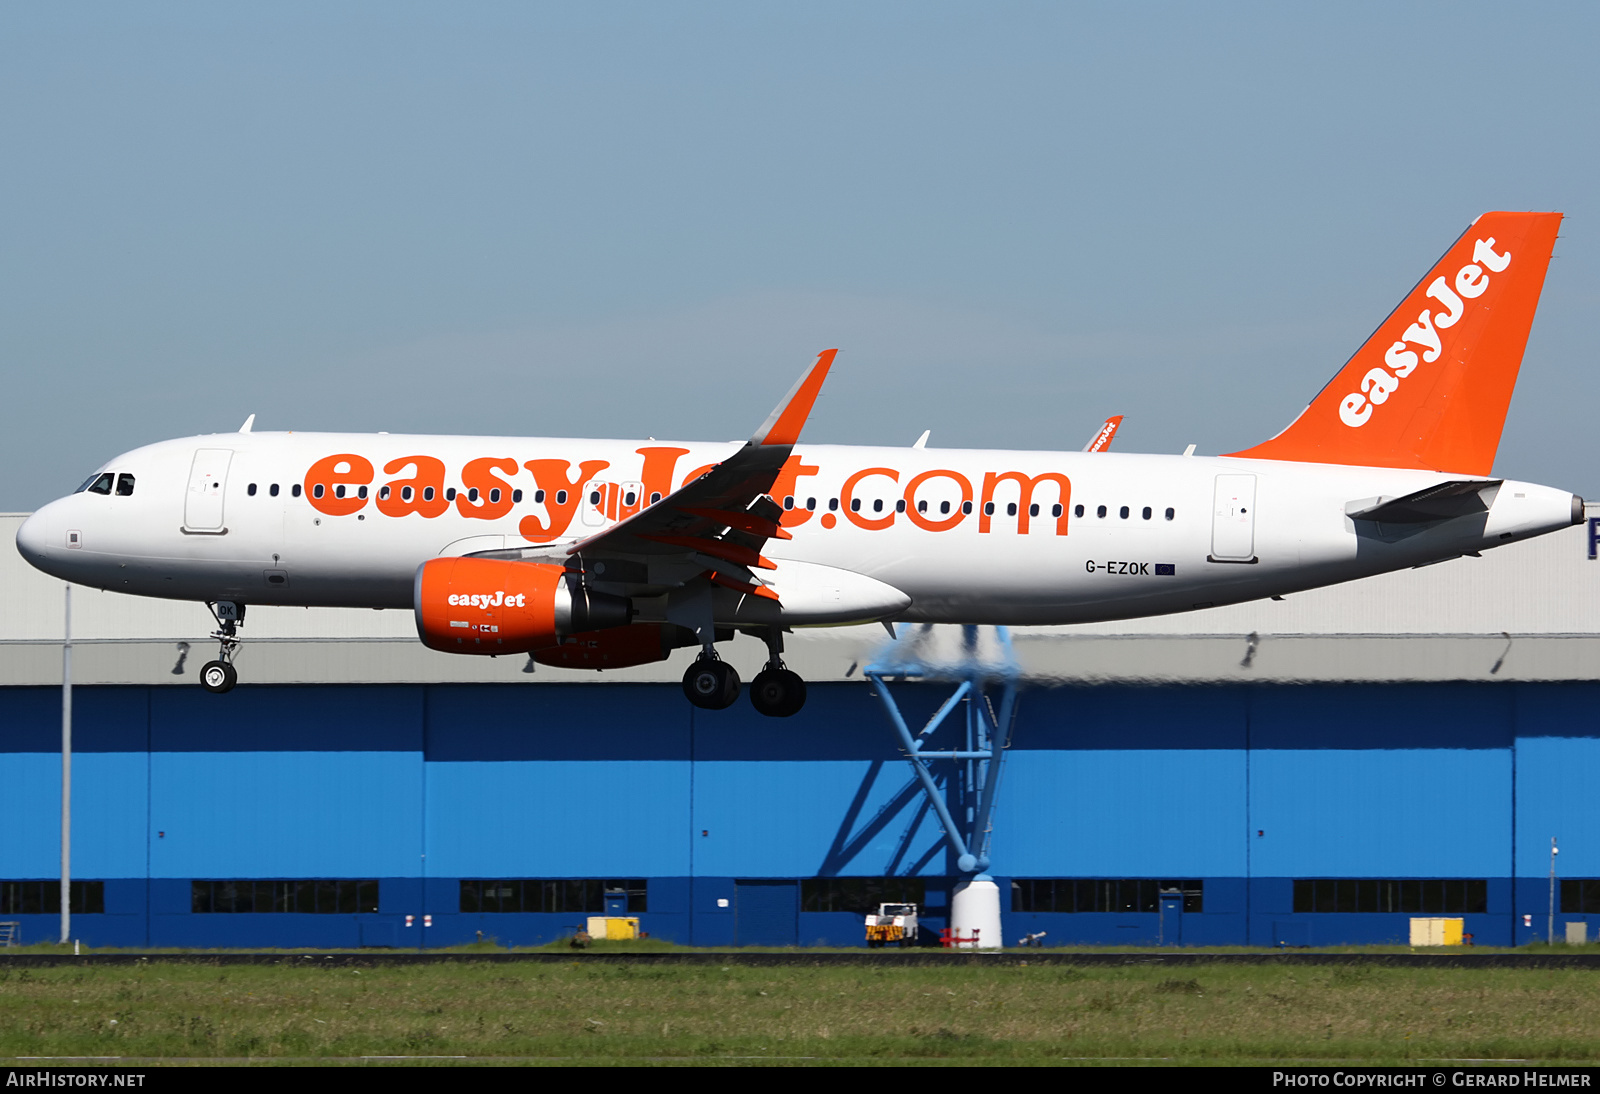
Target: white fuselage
(203, 521)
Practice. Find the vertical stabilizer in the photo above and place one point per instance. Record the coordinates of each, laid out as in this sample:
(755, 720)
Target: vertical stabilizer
(1431, 386)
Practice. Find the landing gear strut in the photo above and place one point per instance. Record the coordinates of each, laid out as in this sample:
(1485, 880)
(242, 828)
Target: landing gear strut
(219, 676)
(777, 692)
(711, 683)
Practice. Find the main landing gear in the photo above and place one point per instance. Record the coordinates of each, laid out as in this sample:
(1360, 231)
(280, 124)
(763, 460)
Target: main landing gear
(713, 684)
(219, 676)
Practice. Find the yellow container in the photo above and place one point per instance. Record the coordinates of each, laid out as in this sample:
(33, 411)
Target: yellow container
(614, 928)
(1432, 931)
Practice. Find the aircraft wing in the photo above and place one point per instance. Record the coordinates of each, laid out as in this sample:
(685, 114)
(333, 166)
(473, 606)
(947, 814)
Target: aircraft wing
(722, 519)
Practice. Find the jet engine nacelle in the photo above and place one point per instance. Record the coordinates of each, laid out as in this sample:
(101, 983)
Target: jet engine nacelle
(493, 606)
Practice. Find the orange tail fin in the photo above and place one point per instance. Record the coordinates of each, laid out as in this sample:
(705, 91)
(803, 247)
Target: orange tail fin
(1430, 388)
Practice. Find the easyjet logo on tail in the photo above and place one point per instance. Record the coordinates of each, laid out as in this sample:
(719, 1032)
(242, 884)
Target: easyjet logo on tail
(1470, 282)
(1429, 388)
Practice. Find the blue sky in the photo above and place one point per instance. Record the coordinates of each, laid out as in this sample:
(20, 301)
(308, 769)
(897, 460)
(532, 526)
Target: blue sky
(645, 219)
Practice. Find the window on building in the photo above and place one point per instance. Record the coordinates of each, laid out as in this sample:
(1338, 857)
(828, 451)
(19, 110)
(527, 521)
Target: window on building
(310, 896)
(565, 895)
(859, 895)
(1580, 895)
(1103, 894)
(1409, 895)
(44, 897)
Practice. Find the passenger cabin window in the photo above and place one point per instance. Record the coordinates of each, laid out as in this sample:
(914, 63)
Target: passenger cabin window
(811, 504)
(788, 501)
(1100, 511)
(538, 496)
(472, 495)
(295, 490)
(655, 496)
(427, 493)
(100, 484)
(1171, 513)
(251, 490)
(516, 497)
(383, 493)
(450, 494)
(1145, 513)
(273, 490)
(125, 486)
(1077, 510)
(561, 497)
(966, 507)
(1123, 512)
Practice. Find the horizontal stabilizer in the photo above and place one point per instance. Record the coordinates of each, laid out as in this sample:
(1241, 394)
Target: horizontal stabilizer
(1457, 498)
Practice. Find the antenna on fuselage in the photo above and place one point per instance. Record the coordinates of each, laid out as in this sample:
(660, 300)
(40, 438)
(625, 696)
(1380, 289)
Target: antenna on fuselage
(248, 423)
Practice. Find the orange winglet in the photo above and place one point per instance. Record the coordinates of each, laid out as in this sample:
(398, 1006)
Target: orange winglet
(716, 548)
(1102, 440)
(744, 522)
(1430, 388)
(745, 587)
(783, 424)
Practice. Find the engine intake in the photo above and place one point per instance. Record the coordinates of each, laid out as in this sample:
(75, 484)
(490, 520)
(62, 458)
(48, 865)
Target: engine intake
(494, 606)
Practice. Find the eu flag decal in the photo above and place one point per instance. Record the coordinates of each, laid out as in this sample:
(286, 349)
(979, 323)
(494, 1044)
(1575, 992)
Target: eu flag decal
(1166, 569)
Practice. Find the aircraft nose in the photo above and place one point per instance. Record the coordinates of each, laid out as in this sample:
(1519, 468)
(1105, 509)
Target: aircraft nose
(32, 538)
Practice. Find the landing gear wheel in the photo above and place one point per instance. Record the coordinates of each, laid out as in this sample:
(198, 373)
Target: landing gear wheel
(711, 685)
(218, 677)
(777, 693)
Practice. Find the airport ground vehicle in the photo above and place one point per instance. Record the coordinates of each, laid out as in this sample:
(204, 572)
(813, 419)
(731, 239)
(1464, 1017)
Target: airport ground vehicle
(895, 923)
(604, 553)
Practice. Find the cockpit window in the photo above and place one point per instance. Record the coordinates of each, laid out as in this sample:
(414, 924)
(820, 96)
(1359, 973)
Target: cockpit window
(97, 484)
(124, 486)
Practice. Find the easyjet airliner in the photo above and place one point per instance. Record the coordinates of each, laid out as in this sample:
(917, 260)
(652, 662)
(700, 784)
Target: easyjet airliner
(603, 553)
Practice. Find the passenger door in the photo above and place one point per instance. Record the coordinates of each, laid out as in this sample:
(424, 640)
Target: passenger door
(208, 479)
(1233, 521)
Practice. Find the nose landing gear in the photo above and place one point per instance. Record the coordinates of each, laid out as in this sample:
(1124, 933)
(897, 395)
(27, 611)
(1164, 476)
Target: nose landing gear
(220, 676)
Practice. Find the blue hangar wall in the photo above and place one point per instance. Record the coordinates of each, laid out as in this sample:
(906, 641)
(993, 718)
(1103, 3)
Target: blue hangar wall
(1247, 789)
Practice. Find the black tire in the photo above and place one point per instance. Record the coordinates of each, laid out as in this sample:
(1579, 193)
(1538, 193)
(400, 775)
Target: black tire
(218, 677)
(711, 685)
(777, 693)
